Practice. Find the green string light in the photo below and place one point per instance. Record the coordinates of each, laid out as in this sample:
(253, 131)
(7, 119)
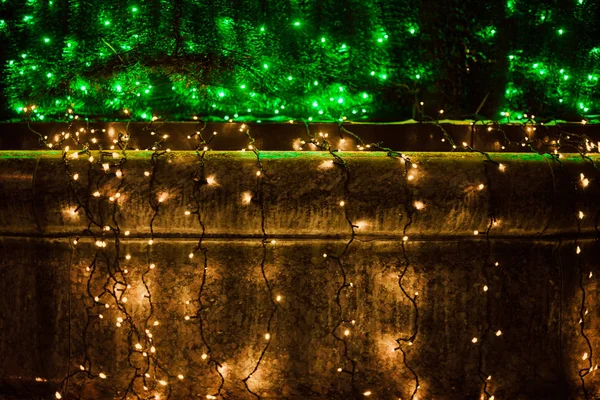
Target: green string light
(298, 67)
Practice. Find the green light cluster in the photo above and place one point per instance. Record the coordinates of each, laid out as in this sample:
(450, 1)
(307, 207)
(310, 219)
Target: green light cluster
(288, 59)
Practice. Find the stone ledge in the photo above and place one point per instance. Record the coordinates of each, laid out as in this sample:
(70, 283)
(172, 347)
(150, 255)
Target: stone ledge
(534, 196)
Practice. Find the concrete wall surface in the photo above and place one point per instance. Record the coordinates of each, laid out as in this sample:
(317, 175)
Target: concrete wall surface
(472, 279)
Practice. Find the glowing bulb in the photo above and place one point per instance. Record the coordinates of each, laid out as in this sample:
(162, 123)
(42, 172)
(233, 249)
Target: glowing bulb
(578, 250)
(475, 233)
(419, 205)
(342, 203)
(127, 233)
(96, 194)
(211, 180)
(258, 173)
(191, 255)
(163, 197)
(405, 238)
(347, 332)
(278, 298)
(581, 215)
(267, 336)
(474, 340)
(152, 266)
(163, 383)
(501, 167)
(180, 376)
(187, 318)
(324, 255)
(146, 173)
(102, 375)
(150, 242)
(481, 186)
(498, 332)
(485, 288)
(367, 393)
(204, 356)
(138, 346)
(57, 395)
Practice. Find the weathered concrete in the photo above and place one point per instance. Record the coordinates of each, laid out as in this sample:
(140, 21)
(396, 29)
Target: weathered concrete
(534, 294)
(302, 194)
(534, 301)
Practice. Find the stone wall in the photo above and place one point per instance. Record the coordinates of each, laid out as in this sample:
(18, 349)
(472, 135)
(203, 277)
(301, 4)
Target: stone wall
(527, 322)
